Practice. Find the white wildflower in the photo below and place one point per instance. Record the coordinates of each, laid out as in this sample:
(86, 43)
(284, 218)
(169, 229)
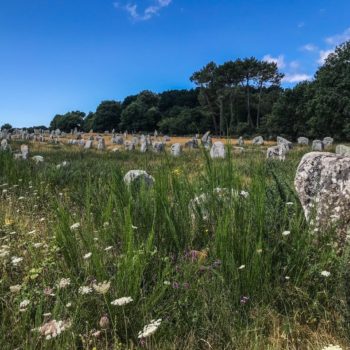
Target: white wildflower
(122, 301)
(15, 260)
(108, 248)
(16, 288)
(285, 233)
(53, 328)
(289, 203)
(37, 245)
(87, 256)
(244, 194)
(23, 304)
(241, 267)
(102, 288)
(325, 273)
(332, 347)
(84, 290)
(63, 283)
(134, 227)
(68, 305)
(149, 329)
(75, 226)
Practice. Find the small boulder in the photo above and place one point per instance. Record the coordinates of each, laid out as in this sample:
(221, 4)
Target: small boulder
(176, 149)
(258, 141)
(317, 145)
(218, 150)
(343, 150)
(303, 141)
(138, 177)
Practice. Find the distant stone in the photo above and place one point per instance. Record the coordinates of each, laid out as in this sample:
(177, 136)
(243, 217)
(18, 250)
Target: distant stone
(24, 151)
(4, 145)
(258, 141)
(38, 159)
(317, 145)
(119, 140)
(283, 141)
(166, 138)
(303, 141)
(206, 140)
(218, 150)
(176, 150)
(144, 147)
(192, 143)
(328, 141)
(343, 150)
(129, 146)
(277, 152)
(138, 177)
(322, 182)
(101, 144)
(88, 144)
(240, 141)
(159, 147)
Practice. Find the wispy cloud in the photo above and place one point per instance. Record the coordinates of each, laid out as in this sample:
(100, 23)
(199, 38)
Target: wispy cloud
(301, 24)
(147, 13)
(309, 48)
(323, 55)
(278, 60)
(296, 78)
(338, 38)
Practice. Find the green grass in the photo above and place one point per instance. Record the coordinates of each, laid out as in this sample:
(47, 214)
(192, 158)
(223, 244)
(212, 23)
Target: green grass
(179, 262)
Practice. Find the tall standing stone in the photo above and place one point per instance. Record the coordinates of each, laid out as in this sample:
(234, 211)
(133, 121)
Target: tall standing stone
(176, 150)
(218, 150)
(317, 145)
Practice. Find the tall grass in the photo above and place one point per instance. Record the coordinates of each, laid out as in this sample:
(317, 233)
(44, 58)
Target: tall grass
(219, 273)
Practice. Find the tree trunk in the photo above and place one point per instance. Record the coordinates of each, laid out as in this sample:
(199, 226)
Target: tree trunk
(212, 113)
(259, 105)
(249, 117)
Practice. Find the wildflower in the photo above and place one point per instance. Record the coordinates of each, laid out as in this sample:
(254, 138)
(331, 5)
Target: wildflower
(122, 301)
(108, 248)
(217, 263)
(325, 273)
(285, 233)
(47, 314)
(87, 256)
(63, 283)
(244, 300)
(75, 226)
(102, 288)
(20, 198)
(134, 227)
(23, 304)
(241, 267)
(16, 260)
(259, 251)
(37, 245)
(42, 220)
(287, 278)
(332, 347)
(84, 290)
(16, 288)
(149, 329)
(167, 283)
(53, 328)
(175, 285)
(48, 291)
(68, 305)
(4, 253)
(104, 322)
(31, 232)
(289, 203)
(106, 224)
(96, 334)
(244, 194)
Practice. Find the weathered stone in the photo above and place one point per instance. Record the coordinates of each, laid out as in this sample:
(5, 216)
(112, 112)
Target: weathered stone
(317, 145)
(240, 141)
(88, 144)
(159, 147)
(192, 143)
(144, 147)
(4, 145)
(283, 141)
(218, 150)
(166, 138)
(38, 159)
(176, 150)
(24, 151)
(129, 146)
(323, 185)
(343, 150)
(304, 141)
(277, 152)
(328, 141)
(101, 144)
(118, 140)
(138, 177)
(259, 141)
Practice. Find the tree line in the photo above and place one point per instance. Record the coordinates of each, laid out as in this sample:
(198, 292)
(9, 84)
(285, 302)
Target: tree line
(240, 97)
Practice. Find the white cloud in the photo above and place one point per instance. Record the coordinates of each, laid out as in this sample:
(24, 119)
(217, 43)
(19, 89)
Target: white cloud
(296, 78)
(147, 13)
(294, 64)
(309, 47)
(338, 38)
(278, 60)
(323, 55)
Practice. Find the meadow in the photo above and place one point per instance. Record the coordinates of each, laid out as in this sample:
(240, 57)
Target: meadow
(87, 262)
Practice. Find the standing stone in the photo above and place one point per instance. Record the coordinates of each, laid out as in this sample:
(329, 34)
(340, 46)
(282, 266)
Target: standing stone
(303, 141)
(139, 176)
(24, 151)
(343, 150)
(218, 150)
(322, 182)
(101, 144)
(317, 145)
(258, 141)
(192, 143)
(283, 141)
(144, 147)
(327, 142)
(88, 144)
(176, 150)
(277, 152)
(38, 159)
(240, 142)
(4, 145)
(159, 147)
(166, 138)
(129, 146)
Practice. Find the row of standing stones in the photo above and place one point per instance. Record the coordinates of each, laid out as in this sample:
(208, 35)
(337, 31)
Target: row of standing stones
(322, 179)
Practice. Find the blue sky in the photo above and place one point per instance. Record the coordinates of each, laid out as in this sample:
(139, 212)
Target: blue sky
(61, 55)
